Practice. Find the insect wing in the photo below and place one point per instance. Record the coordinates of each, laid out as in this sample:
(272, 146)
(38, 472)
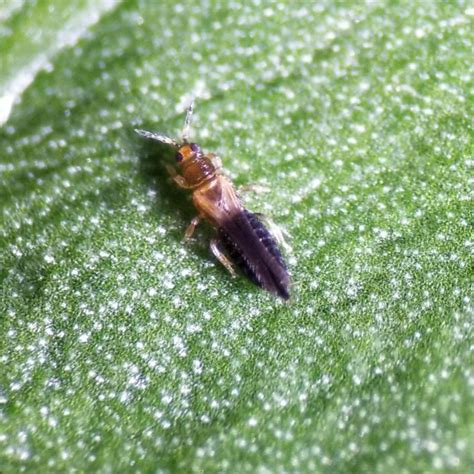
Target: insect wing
(217, 202)
(255, 252)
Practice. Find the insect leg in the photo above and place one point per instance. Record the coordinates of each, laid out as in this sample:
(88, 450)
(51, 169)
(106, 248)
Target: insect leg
(178, 179)
(187, 122)
(216, 160)
(191, 227)
(219, 254)
(275, 230)
(256, 188)
(171, 171)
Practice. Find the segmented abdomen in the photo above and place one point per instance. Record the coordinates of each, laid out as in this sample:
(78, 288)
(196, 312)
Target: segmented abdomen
(253, 249)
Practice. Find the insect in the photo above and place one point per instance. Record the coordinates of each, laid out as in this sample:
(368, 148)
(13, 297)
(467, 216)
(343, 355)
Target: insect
(242, 240)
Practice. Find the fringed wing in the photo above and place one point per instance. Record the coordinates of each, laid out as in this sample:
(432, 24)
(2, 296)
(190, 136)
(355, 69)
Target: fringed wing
(253, 249)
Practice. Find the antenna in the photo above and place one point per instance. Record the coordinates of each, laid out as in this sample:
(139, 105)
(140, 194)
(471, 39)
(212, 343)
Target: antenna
(159, 137)
(187, 122)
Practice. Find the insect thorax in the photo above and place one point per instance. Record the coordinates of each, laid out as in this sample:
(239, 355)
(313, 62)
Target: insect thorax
(198, 170)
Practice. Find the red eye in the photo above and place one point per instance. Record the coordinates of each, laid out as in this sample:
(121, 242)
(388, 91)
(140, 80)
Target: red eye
(179, 157)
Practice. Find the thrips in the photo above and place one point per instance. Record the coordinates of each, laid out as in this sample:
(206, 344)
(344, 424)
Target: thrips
(242, 240)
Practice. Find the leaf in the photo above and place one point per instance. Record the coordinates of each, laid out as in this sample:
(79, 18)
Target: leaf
(125, 349)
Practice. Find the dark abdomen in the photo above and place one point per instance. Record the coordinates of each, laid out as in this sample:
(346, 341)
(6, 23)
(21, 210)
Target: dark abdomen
(253, 249)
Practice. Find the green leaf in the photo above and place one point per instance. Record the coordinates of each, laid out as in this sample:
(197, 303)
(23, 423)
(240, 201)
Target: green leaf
(124, 349)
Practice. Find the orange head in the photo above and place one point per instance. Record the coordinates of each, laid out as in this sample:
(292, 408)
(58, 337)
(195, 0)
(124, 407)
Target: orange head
(187, 152)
